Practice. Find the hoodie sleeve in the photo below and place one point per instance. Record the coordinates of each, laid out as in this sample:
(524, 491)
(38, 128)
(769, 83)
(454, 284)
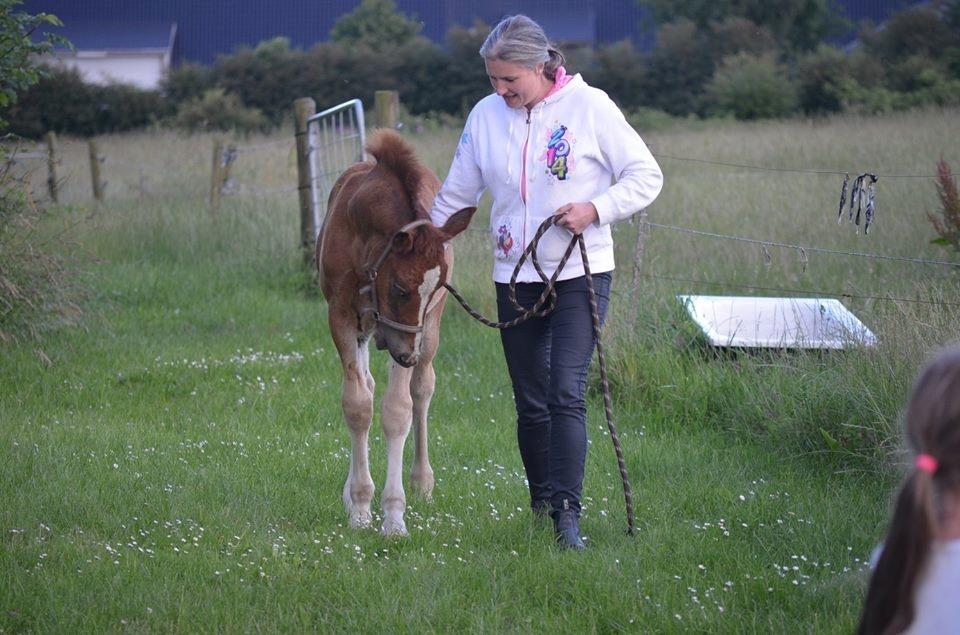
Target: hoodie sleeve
(464, 183)
(638, 176)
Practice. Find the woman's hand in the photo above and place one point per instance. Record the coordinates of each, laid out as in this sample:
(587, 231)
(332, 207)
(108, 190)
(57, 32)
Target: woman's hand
(576, 216)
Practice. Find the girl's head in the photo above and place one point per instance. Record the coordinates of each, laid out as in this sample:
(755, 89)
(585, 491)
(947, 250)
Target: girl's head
(933, 417)
(928, 496)
(519, 40)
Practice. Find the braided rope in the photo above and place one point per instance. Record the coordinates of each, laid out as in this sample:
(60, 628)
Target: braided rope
(539, 310)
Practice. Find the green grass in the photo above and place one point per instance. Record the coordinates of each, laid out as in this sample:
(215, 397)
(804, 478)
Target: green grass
(177, 466)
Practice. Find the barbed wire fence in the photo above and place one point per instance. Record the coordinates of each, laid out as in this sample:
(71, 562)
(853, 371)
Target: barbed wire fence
(331, 147)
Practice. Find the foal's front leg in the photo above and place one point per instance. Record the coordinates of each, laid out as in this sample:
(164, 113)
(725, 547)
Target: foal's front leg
(357, 401)
(422, 385)
(396, 413)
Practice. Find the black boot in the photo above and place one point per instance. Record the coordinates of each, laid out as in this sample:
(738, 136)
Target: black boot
(566, 525)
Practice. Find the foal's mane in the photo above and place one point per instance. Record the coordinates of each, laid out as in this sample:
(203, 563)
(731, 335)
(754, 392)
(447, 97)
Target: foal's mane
(393, 153)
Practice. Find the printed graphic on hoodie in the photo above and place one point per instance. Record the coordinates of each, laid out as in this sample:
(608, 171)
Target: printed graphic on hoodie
(464, 140)
(507, 246)
(557, 154)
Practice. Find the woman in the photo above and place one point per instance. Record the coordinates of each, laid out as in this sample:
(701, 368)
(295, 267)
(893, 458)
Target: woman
(548, 144)
(916, 585)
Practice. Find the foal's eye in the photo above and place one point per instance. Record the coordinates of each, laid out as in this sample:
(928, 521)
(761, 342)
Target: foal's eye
(400, 290)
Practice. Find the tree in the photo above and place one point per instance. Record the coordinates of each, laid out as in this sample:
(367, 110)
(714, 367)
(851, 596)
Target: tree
(377, 24)
(468, 82)
(923, 30)
(19, 50)
(678, 70)
(802, 24)
(619, 70)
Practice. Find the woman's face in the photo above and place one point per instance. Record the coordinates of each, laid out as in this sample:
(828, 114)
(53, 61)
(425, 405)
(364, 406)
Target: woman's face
(518, 85)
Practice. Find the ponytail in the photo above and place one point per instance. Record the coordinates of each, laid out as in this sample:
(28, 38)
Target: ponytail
(932, 430)
(890, 604)
(555, 61)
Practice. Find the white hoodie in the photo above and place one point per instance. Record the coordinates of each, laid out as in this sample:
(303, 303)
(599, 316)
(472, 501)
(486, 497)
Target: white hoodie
(577, 143)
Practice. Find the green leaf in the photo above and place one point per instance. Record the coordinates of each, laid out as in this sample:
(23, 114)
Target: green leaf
(832, 444)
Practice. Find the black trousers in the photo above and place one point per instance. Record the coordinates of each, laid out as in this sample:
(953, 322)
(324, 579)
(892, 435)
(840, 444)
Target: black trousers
(548, 360)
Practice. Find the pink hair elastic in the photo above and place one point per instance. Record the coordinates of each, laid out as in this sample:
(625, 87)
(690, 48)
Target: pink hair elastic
(926, 463)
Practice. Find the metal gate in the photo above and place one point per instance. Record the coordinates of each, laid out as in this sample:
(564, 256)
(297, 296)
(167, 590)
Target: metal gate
(335, 141)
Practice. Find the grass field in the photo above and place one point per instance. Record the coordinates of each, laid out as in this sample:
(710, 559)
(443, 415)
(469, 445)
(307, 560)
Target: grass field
(177, 464)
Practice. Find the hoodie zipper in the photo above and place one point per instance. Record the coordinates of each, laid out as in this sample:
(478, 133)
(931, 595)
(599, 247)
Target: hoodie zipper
(524, 193)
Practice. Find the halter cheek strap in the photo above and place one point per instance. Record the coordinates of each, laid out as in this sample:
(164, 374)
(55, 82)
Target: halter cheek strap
(371, 286)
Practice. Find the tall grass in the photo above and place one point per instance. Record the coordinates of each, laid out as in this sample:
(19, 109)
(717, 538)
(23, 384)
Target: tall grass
(179, 465)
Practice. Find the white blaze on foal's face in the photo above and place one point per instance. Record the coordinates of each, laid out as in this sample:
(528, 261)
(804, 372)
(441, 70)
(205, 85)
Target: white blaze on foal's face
(431, 278)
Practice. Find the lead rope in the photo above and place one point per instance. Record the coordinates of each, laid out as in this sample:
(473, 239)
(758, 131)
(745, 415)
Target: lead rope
(539, 310)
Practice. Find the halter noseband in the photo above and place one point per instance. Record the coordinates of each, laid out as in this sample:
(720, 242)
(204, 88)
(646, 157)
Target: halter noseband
(371, 286)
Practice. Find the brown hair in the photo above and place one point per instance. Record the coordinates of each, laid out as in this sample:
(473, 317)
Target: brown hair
(520, 40)
(932, 427)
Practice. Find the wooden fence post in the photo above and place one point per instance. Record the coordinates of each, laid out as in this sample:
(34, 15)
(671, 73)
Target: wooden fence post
(95, 160)
(52, 181)
(303, 109)
(637, 262)
(226, 162)
(386, 104)
(215, 177)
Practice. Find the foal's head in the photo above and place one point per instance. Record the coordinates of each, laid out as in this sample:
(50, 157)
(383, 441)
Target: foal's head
(413, 271)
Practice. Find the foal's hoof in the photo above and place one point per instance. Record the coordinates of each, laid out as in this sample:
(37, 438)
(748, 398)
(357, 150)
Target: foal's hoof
(394, 528)
(361, 520)
(422, 482)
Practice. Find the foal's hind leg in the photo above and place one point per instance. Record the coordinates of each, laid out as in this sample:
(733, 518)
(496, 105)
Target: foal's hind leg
(396, 407)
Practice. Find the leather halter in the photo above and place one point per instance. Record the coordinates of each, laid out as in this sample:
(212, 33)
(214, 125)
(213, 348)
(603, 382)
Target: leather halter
(371, 286)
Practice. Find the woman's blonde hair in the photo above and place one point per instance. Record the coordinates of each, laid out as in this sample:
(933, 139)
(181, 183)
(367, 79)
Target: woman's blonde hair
(519, 40)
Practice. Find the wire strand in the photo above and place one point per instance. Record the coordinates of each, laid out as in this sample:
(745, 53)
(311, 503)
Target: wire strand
(765, 168)
(802, 248)
(803, 291)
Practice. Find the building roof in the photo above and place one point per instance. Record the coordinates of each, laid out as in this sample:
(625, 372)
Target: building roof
(119, 35)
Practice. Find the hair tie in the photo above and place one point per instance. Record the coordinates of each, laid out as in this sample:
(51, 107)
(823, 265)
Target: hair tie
(926, 463)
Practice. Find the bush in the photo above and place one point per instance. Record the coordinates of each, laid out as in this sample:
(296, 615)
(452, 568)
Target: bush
(268, 78)
(38, 290)
(189, 81)
(868, 101)
(938, 91)
(914, 73)
(752, 87)
(62, 102)
(218, 110)
(649, 119)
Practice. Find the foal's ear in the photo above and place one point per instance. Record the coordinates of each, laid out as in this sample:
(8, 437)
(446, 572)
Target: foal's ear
(403, 241)
(457, 223)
